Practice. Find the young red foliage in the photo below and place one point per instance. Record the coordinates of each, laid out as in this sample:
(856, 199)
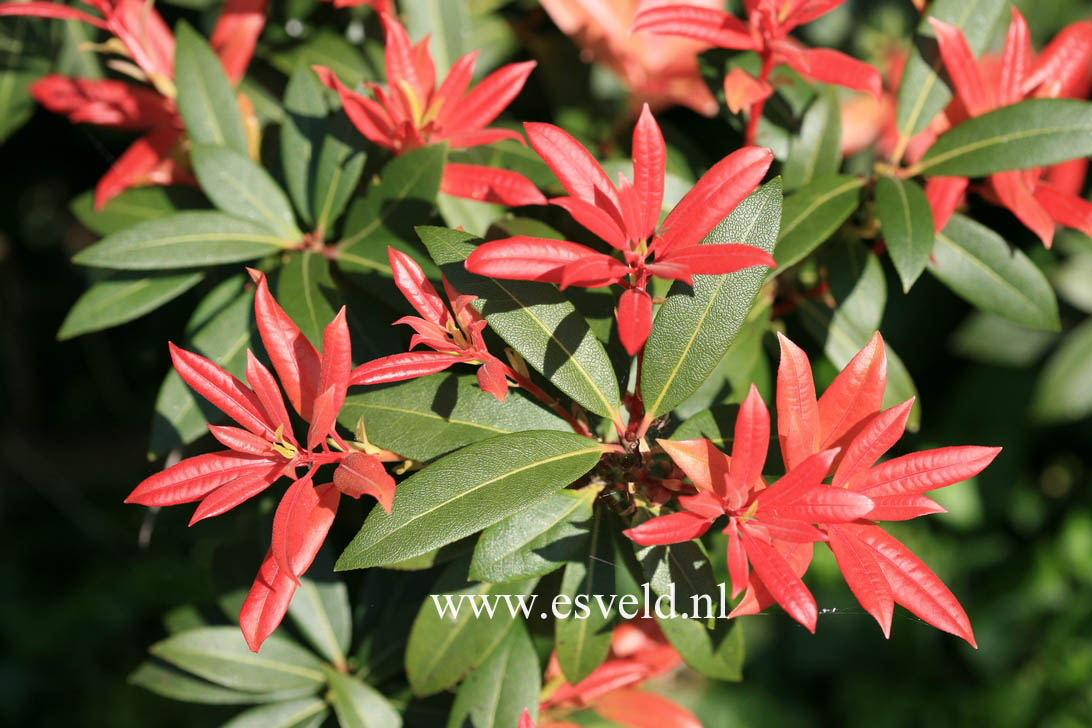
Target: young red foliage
(411, 112)
(626, 217)
(264, 449)
(155, 157)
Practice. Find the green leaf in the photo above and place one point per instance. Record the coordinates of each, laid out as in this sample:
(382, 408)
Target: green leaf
(537, 321)
(922, 93)
(182, 240)
(170, 682)
(337, 171)
(122, 297)
(987, 338)
(240, 187)
(496, 693)
(471, 215)
(221, 655)
(16, 104)
(1064, 390)
(811, 215)
(302, 713)
(983, 269)
(695, 326)
(326, 47)
(308, 293)
(816, 150)
(359, 705)
(444, 646)
(404, 196)
(1032, 133)
(446, 22)
(707, 641)
(427, 417)
(385, 622)
(510, 154)
(321, 611)
(716, 424)
(536, 541)
(589, 583)
(469, 490)
(907, 223)
(134, 205)
(205, 100)
(224, 338)
(302, 132)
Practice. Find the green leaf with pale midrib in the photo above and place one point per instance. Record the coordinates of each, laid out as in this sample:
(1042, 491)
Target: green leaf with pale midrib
(240, 187)
(321, 611)
(1064, 390)
(123, 297)
(907, 223)
(495, 694)
(583, 644)
(359, 705)
(205, 100)
(823, 204)
(302, 713)
(816, 150)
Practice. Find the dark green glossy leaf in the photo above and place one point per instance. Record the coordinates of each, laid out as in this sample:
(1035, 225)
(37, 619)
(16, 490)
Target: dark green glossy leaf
(582, 639)
(444, 647)
(308, 293)
(990, 339)
(427, 417)
(221, 655)
(1064, 390)
(170, 682)
(1033, 133)
(205, 100)
(537, 321)
(321, 611)
(979, 266)
(134, 205)
(302, 132)
(241, 188)
(469, 490)
(123, 297)
(695, 326)
(302, 713)
(496, 693)
(907, 223)
(923, 93)
(182, 240)
(816, 151)
(337, 171)
(536, 541)
(811, 215)
(359, 705)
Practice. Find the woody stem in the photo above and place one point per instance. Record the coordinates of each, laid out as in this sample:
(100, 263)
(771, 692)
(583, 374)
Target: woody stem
(759, 106)
(534, 390)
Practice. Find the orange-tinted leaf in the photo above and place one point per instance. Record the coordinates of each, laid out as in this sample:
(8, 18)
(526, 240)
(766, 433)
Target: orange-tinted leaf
(780, 580)
(362, 474)
(241, 489)
(749, 446)
(291, 522)
(854, 395)
(493, 378)
(649, 169)
(874, 439)
(638, 709)
(604, 223)
(798, 422)
(718, 258)
(489, 184)
(1015, 59)
(397, 367)
(294, 358)
(1065, 208)
(863, 575)
(944, 195)
(574, 167)
(962, 68)
(829, 66)
(236, 34)
(323, 418)
(669, 529)
(706, 24)
(1014, 194)
(136, 163)
(488, 98)
(705, 465)
(923, 471)
(634, 319)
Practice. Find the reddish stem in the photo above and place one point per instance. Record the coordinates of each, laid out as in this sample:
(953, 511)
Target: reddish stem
(759, 106)
(533, 389)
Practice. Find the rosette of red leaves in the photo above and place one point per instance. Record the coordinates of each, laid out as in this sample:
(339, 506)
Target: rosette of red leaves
(772, 529)
(149, 44)
(627, 218)
(412, 112)
(638, 652)
(263, 449)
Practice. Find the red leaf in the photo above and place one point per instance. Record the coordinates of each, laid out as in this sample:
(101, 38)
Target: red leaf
(450, 93)
(854, 395)
(807, 11)
(962, 68)
(417, 289)
(1014, 194)
(526, 259)
(224, 391)
(401, 62)
(594, 271)
(795, 483)
(488, 98)
(611, 675)
(525, 720)
(603, 223)
(634, 316)
(267, 602)
(923, 471)
(477, 138)
(828, 66)
(236, 34)
(241, 440)
(269, 395)
(324, 418)
(1062, 67)
(902, 507)
(706, 24)
(145, 35)
(337, 359)
(749, 446)
(825, 504)
(944, 195)
(398, 367)
(797, 554)
(863, 575)
(194, 477)
(778, 577)
(362, 474)
(1015, 60)
(742, 90)
(105, 103)
(798, 422)
(737, 560)
(489, 184)
(638, 709)
(291, 521)
(294, 358)
(493, 378)
(370, 118)
(672, 528)
(1065, 208)
(136, 163)
(705, 504)
(228, 496)
(705, 465)
(649, 169)
(718, 258)
(714, 196)
(50, 10)
(575, 168)
(874, 439)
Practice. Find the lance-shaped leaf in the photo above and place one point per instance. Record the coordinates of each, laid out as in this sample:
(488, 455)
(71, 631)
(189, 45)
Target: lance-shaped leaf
(907, 223)
(1064, 390)
(1032, 133)
(221, 655)
(302, 713)
(170, 682)
(536, 541)
(537, 321)
(448, 27)
(583, 643)
(359, 705)
(448, 638)
(122, 297)
(923, 93)
(496, 693)
(184, 240)
(240, 187)
(321, 611)
(816, 150)
(134, 205)
(206, 100)
(469, 490)
(427, 417)
(983, 269)
(308, 294)
(697, 324)
(811, 215)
